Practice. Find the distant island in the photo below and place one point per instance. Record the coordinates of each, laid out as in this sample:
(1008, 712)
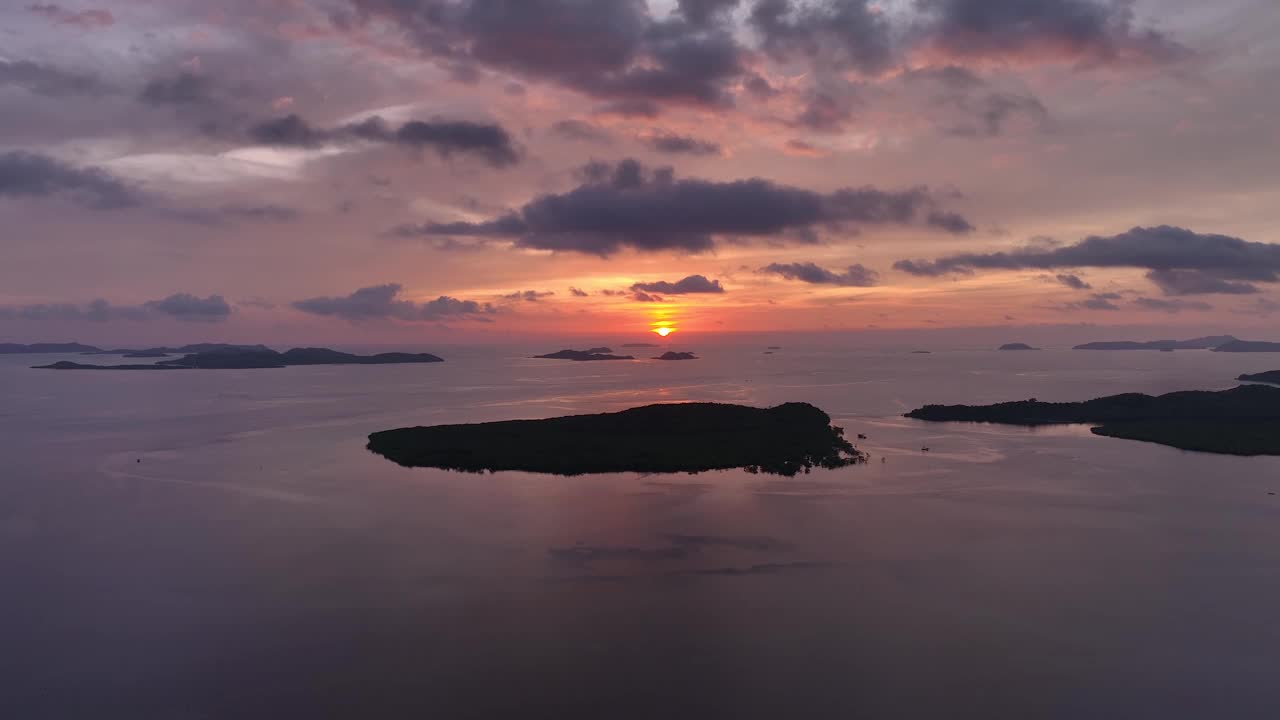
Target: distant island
(1242, 421)
(1017, 346)
(1243, 346)
(1270, 376)
(257, 357)
(583, 355)
(677, 356)
(921, 352)
(45, 348)
(1202, 343)
(690, 437)
(179, 350)
(640, 345)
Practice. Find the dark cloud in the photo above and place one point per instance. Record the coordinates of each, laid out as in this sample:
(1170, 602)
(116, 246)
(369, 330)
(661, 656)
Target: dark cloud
(230, 213)
(381, 302)
(627, 206)
(1197, 282)
(190, 308)
(642, 296)
(186, 88)
(1180, 261)
(1073, 281)
(1096, 301)
(576, 292)
(529, 295)
(831, 33)
(854, 276)
(680, 144)
(179, 306)
(490, 142)
(693, 284)
(1082, 31)
(610, 49)
(85, 19)
(631, 109)
(704, 12)
(994, 111)
(24, 174)
(45, 80)
(1172, 306)
(578, 130)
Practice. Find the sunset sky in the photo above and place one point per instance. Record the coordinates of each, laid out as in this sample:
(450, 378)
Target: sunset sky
(414, 170)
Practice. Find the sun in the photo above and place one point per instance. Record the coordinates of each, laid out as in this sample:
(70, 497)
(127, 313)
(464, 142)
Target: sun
(664, 331)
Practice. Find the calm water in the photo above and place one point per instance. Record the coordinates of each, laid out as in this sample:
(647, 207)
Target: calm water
(220, 545)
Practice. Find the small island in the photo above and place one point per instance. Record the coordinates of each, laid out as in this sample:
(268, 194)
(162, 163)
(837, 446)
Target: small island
(640, 345)
(676, 356)
(1270, 376)
(1242, 421)
(687, 437)
(1017, 346)
(921, 352)
(582, 355)
(257, 357)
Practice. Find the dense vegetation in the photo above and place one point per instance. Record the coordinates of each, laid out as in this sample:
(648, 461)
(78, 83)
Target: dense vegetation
(1241, 421)
(689, 437)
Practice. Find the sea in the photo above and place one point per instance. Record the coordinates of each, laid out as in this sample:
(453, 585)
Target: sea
(220, 544)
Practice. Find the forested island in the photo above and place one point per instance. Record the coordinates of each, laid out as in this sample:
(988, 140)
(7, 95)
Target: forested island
(687, 437)
(1017, 346)
(676, 356)
(583, 355)
(1202, 343)
(1270, 376)
(1242, 421)
(256, 357)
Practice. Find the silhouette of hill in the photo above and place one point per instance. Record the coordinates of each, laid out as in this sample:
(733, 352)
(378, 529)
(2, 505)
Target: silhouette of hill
(1242, 346)
(1242, 421)
(258, 357)
(40, 348)
(691, 437)
(677, 356)
(1202, 343)
(582, 355)
(1270, 376)
(1017, 346)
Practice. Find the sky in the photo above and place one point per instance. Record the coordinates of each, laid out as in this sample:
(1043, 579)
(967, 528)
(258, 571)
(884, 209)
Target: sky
(405, 171)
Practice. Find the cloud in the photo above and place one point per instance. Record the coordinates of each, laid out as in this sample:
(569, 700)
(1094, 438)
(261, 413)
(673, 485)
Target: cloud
(185, 88)
(576, 292)
(611, 49)
(86, 19)
(190, 308)
(1180, 261)
(25, 174)
(44, 79)
(381, 302)
(691, 285)
(642, 296)
(1086, 32)
(184, 307)
(680, 144)
(528, 295)
(488, 141)
(579, 130)
(1197, 282)
(1172, 306)
(1073, 281)
(627, 206)
(1096, 301)
(834, 33)
(854, 276)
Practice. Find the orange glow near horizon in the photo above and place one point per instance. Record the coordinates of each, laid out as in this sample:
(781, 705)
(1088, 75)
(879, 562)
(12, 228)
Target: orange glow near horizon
(664, 330)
